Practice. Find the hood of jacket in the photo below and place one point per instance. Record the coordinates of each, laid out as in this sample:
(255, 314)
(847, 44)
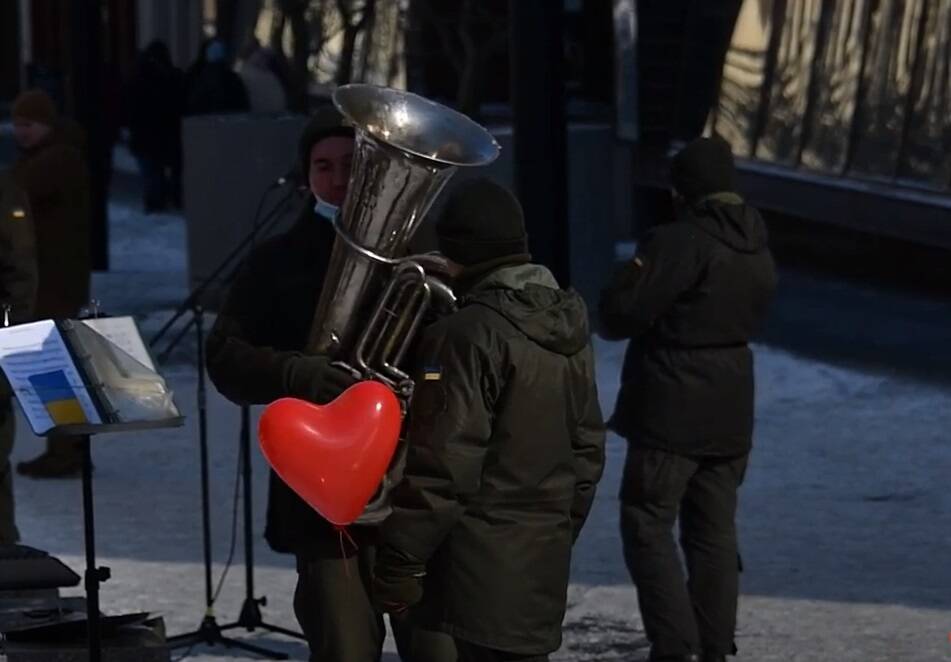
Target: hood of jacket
(528, 296)
(729, 220)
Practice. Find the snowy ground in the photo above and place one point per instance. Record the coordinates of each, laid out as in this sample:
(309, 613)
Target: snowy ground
(845, 516)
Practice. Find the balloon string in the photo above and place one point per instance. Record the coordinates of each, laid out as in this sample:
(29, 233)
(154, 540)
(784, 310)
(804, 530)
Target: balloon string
(346, 532)
(343, 533)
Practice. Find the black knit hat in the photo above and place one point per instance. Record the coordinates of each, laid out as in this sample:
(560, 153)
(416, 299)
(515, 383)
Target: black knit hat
(481, 221)
(326, 122)
(703, 167)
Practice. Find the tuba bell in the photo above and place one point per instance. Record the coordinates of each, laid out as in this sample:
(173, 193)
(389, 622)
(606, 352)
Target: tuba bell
(375, 297)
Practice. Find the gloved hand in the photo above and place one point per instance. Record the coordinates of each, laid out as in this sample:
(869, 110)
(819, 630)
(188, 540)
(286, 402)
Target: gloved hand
(315, 379)
(397, 581)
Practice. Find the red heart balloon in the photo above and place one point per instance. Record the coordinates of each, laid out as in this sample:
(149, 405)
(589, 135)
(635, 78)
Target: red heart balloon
(334, 456)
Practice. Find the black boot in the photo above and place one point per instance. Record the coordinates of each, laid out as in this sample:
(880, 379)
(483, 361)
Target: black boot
(683, 657)
(62, 459)
(713, 657)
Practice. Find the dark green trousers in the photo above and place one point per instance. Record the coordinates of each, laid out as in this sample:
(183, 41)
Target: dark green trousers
(8, 529)
(472, 653)
(332, 604)
(696, 614)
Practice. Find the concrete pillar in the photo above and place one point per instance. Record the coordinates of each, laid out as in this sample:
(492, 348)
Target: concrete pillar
(229, 162)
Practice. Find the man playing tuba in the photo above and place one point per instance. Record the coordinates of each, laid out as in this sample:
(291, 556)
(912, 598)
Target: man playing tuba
(255, 356)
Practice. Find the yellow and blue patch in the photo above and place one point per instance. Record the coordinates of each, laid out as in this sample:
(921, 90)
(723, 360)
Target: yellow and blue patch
(432, 373)
(59, 398)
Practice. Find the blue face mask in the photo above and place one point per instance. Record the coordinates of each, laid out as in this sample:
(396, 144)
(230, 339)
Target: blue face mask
(325, 209)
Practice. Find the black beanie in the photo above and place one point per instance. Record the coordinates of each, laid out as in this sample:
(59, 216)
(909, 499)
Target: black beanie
(326, 122)
(703, 167)
(481, 221)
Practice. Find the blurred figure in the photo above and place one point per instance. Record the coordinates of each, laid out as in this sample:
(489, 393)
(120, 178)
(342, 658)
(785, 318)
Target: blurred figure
(17, 295)
(690, 300)
(213, 87)
(266, 93)
(154, 101)
(52, 172)
(193, 69)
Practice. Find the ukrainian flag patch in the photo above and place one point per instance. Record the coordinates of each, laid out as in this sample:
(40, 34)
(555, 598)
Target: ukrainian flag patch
(58, 397)
(432, 374)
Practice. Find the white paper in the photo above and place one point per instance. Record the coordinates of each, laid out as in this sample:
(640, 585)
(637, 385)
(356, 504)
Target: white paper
(124, 334)
(33, 349)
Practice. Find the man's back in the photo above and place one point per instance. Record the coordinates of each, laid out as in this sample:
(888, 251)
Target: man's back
(506, 419)
(690, 309)
(537, 352)
(723, 246)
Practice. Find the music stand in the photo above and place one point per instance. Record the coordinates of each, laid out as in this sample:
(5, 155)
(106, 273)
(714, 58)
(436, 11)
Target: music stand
(210, 632)
(69, 371)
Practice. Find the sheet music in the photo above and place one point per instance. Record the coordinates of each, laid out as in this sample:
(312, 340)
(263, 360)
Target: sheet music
(122, 332)
(44, 377)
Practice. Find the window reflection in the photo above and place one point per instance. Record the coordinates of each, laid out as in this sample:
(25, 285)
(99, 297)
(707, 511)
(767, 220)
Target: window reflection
(845, 87)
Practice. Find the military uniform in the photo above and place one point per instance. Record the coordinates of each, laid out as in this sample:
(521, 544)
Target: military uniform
(689, 302)
(17, 295)
(505, 445)
(55, 179)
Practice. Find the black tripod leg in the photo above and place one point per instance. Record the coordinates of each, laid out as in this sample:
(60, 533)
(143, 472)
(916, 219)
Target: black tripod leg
(250, 617)
(209, 634)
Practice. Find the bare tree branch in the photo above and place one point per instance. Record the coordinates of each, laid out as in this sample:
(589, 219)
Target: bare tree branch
(351, 30)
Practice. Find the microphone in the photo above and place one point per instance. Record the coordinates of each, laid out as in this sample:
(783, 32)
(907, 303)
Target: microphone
(292, 176)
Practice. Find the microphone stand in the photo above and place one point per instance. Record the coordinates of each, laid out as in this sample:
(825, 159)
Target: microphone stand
(210, 631)
(250, 617)
(194, 297)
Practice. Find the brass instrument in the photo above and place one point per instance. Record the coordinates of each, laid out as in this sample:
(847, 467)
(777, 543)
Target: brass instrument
(374, 297)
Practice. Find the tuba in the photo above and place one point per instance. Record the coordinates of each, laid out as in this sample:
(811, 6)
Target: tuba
(375, 297)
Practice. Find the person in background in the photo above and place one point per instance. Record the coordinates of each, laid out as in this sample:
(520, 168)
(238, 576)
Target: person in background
(213, 88)
(689, 302)
(17, 297)
(154, 104)
(266, 94)
(52, 172)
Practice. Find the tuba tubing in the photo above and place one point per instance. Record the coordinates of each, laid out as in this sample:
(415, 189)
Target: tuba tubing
(374, 298)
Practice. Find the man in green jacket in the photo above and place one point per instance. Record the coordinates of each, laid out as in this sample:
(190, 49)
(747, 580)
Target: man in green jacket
(690, 301)
(51, 171)
(506, 446)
